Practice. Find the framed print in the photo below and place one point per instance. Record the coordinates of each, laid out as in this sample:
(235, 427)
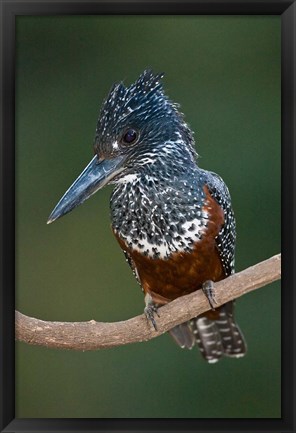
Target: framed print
(220, 78)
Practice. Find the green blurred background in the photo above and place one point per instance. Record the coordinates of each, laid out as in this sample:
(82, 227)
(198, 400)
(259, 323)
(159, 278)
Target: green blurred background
(225, 73)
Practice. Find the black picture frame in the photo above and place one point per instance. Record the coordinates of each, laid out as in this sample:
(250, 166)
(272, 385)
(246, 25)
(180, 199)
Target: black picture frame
(9, 11)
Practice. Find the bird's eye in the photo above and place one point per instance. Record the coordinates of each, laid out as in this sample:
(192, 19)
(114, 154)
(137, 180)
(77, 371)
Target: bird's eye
(130, 136)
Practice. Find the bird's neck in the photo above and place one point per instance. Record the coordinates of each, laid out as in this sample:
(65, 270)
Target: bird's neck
(158, 210)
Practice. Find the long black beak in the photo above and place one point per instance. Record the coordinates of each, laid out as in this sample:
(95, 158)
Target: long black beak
(94, 177)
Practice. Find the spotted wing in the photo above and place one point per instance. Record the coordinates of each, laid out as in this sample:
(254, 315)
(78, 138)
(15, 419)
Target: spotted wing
(225, 240)
(220, 336)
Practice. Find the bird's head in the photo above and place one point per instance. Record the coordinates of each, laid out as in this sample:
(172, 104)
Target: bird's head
(137, 126)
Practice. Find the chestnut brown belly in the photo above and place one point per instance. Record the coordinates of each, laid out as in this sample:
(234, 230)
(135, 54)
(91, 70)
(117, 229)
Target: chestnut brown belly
(180, 274)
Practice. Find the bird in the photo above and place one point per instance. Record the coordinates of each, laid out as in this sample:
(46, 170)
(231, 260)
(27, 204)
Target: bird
(173, 220)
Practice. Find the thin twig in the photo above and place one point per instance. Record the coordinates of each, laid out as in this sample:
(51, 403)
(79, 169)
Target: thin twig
(94, 335)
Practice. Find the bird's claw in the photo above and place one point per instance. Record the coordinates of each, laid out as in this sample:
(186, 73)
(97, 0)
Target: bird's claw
(149, 312)
(150, 309)
(208, 290)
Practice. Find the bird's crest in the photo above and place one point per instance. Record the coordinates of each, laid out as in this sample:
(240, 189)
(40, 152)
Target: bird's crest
(143, 102)
(123, 101)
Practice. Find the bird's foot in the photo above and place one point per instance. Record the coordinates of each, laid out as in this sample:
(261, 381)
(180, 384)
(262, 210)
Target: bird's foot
(150, 310)
(208, 290)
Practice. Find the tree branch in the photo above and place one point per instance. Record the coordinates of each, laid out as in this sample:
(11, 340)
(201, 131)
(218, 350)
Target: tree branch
(94, 335)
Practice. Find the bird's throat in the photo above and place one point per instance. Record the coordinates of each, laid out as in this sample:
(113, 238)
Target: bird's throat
(157, 216)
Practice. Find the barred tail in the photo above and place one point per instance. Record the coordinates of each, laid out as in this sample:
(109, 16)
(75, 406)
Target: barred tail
(214, 337)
